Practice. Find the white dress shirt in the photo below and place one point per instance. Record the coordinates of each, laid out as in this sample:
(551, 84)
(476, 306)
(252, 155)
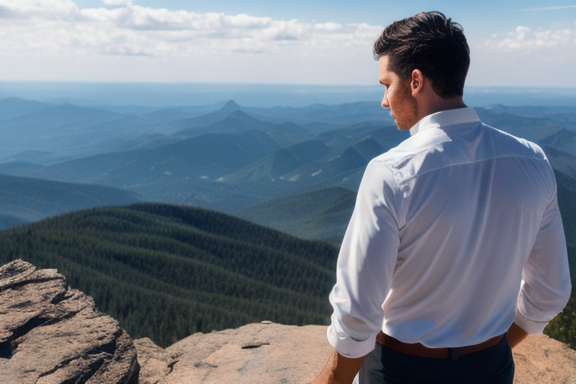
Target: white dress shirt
(456, 234)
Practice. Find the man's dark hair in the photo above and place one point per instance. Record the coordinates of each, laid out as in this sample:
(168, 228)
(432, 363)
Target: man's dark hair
(431, 43)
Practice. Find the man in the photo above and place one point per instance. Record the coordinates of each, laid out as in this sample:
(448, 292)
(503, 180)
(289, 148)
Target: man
(455, 250)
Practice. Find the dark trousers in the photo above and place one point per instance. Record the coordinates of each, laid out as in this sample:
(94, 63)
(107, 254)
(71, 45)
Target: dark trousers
(493, 365)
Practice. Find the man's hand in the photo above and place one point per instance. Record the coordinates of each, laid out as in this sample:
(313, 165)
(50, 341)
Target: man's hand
(339, 370)
(516, 335)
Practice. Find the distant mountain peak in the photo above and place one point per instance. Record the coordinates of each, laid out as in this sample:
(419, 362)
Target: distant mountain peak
(230, 106)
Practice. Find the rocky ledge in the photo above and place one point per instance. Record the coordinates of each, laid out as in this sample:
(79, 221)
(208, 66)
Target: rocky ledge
(272, 353)
(51, 334)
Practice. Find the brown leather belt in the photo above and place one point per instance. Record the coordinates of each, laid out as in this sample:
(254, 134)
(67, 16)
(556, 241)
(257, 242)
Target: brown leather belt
(438, 353)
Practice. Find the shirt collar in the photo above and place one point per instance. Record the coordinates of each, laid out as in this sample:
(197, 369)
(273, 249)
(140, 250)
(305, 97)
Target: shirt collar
(445, 118)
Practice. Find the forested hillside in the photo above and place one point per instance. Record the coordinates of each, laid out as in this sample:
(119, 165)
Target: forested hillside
(165, 271)
(25, 199)
(322, 214)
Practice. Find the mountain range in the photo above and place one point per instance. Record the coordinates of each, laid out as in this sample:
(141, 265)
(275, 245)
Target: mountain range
(239, 160)
(178, 253)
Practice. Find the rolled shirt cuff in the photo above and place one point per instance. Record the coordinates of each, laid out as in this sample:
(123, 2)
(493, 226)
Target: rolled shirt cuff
(349, 347)
(530, 326)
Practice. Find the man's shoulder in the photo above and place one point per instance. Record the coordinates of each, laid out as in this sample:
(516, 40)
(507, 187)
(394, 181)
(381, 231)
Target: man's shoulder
(437, 148)
(394, 157)
(507, 144)
(413, 148)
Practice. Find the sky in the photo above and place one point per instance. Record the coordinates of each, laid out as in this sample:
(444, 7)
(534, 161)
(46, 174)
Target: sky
(513, 42)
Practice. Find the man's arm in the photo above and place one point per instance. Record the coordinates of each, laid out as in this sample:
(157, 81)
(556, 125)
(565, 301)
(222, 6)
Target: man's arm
(364, 272)
(339, 370)
(546, 285)
(516, 335)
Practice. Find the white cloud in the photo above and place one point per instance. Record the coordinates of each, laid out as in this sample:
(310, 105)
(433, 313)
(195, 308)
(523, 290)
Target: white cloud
(119, 41)
(121, 28)
(527, 40)
(535, 56)
(115, 3)
(328, 27)
(31, 10)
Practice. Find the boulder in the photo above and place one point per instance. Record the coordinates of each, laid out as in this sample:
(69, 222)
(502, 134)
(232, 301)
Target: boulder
(50, 333)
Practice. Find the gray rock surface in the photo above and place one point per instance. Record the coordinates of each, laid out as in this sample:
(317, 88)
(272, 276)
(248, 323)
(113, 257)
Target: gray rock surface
(52, 334)
(279, 354)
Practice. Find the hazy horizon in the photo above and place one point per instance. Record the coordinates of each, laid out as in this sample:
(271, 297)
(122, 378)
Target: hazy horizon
(257, 95)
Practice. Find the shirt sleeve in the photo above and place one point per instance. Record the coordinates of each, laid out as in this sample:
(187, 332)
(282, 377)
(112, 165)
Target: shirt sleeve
(365, 266)
(546, 285)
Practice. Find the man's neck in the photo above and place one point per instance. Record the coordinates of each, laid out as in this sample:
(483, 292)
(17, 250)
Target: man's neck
(438, 104)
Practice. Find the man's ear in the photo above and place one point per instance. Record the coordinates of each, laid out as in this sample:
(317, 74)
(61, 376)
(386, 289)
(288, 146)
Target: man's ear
(417, 82)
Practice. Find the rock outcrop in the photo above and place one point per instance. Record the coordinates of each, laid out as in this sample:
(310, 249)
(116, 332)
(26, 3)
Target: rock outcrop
(264, 353)
(279, 354)
(50, 333)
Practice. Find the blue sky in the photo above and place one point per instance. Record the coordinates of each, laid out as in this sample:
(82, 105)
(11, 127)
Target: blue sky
(513, 42)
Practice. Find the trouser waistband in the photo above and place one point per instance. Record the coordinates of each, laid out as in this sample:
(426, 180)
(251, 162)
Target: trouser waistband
(418, 349)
